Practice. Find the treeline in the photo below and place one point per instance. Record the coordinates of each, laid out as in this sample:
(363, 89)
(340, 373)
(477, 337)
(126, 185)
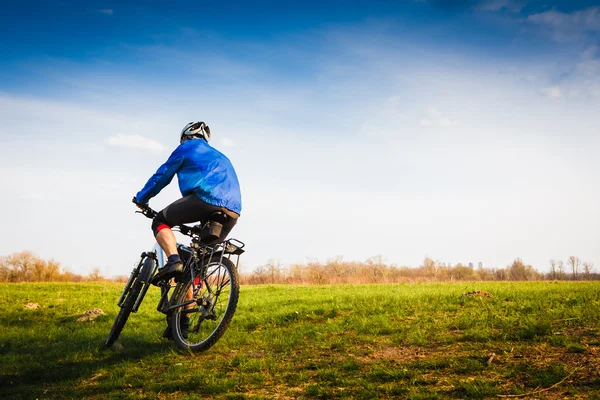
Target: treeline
(375, 270)
(25, 266)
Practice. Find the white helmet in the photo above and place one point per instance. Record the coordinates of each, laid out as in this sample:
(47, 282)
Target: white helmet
(196, 129)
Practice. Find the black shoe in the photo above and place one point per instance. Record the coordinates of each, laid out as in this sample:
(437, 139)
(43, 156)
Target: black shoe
(170, 270)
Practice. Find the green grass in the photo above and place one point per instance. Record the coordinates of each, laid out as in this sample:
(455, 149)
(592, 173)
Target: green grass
(421, 341)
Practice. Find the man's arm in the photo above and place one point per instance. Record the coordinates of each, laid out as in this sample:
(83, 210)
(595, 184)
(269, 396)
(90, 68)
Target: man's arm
(161, 178)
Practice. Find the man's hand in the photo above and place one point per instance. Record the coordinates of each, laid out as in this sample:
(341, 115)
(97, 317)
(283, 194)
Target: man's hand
(139, 205)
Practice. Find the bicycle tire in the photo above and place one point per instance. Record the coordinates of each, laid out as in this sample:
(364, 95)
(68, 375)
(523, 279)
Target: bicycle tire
(126, 308)
(196, 341)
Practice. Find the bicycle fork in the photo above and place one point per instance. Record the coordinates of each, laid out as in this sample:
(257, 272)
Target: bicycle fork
(144, 272)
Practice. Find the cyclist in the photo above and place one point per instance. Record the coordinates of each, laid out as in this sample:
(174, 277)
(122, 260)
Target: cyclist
(208, 184)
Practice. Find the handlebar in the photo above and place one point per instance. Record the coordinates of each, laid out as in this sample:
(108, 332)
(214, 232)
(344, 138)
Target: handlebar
(148, 212)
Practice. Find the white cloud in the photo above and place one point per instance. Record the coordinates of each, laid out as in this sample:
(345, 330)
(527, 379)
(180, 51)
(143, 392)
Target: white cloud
(135, 142)
(566, 27)
(106, 11)
(575, 80)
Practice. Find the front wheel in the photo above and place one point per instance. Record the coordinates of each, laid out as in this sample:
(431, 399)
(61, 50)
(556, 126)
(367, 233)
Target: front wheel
(212, 302)
(137, 285)
(136, 288)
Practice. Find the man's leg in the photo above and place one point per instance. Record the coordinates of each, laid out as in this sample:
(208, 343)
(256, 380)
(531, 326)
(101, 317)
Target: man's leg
(166, 240)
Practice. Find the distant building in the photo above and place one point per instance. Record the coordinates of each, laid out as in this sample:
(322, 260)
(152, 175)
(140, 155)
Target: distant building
(480, 264)
(471, 265)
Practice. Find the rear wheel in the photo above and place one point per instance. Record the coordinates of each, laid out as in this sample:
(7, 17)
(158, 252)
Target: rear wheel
(215, 301)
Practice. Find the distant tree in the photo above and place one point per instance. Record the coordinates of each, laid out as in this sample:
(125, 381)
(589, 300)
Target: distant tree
(374, 270)
(484, 273)
(574, 263)
(337, 268)
(25, 266)
(274, 270)
(95, 275)
(501, 274)
(19, 267)
(462, 273)
(317, 273)
(588, 268)
(376, 265)
(553, 269)
(560, 266)
(519, 271)
(430, 267)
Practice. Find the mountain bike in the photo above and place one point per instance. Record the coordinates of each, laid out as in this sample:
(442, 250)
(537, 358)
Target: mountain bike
(207, 291)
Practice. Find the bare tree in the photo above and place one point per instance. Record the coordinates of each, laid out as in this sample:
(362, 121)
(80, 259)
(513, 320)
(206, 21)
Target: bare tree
(588, 267)
(376, 265)
(316, 273)
(430, 267)
(272, 271)
(95, 275)
(22, 267)
(561, 269)
(574, 262)
(519, 271)
(553, 269)
(25, 266)
(336, 267)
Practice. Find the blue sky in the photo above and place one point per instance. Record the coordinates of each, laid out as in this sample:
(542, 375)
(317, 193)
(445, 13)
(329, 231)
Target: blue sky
(464, 131)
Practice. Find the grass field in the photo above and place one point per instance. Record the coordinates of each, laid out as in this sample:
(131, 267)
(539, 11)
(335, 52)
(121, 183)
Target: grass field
(421, 341)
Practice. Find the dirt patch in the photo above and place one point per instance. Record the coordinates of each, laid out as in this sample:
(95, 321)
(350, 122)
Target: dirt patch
(405, 353)
(90, 315)
(31, 306)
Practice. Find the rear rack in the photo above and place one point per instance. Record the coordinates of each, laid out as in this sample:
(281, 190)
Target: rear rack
(229, 249)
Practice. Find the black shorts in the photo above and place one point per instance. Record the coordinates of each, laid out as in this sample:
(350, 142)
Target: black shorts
(191, 209)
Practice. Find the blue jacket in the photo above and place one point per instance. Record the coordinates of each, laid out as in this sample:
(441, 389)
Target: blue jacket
(200, 169)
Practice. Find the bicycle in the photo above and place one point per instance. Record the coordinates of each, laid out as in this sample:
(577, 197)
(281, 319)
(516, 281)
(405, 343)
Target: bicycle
(207, 291)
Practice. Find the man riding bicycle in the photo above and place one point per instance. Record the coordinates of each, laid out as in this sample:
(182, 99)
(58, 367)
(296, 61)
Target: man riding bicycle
(208, 184)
